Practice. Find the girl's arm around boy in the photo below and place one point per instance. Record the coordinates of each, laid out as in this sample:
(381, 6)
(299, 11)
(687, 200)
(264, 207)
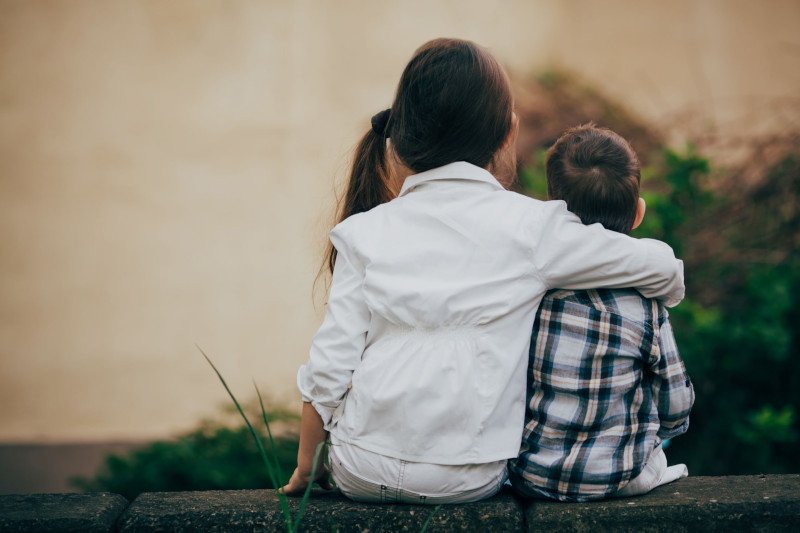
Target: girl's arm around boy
(570, 255)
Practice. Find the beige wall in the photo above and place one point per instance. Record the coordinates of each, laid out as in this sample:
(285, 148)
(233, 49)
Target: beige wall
(166, 171)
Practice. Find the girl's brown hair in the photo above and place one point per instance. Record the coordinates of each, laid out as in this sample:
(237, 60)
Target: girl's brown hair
(453, 103)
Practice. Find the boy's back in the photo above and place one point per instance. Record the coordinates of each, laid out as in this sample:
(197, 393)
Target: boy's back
(605, 380)
(605, 385)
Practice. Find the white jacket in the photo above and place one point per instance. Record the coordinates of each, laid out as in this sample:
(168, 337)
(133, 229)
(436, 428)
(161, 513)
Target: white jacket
(423, 350)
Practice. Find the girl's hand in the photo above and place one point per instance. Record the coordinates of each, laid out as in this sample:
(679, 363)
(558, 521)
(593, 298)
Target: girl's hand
(312, 439)
(301, 479)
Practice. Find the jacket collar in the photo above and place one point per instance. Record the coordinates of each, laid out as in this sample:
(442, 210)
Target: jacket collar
(460, 170)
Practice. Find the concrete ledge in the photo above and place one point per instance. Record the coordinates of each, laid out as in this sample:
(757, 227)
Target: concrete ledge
(94, 512)
(258, 510)
(708, 504)
(732, 503)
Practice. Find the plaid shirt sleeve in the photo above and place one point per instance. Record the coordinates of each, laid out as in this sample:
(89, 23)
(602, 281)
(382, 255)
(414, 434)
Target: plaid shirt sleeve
(672, 388)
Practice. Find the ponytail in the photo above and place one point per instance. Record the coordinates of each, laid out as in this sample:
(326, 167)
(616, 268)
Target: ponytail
(366, 186)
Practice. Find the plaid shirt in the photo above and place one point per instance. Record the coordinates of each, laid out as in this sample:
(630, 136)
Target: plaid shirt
(605, 385)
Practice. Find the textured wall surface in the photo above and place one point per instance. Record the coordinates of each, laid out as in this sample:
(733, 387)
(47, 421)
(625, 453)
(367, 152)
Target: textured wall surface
(167, 169)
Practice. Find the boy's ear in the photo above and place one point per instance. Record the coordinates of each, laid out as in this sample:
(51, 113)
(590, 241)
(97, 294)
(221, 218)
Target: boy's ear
(641, 207)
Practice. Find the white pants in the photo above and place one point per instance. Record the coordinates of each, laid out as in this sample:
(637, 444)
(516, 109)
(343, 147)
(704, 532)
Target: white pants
(654, 474)
(365, 476)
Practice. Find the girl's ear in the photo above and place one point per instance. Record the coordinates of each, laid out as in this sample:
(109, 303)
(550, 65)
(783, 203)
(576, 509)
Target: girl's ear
(504, 162)
(512, 133)
(641, 207)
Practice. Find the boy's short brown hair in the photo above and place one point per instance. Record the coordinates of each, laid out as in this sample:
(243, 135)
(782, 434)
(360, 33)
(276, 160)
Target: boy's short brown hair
(596, 172)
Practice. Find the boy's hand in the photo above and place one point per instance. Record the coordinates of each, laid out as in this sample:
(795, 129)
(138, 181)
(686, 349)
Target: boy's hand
(301, 479)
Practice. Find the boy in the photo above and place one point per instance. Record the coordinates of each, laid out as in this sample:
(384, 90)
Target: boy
(605, 381)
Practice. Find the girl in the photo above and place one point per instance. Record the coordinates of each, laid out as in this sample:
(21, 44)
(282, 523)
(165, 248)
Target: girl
(418, 370)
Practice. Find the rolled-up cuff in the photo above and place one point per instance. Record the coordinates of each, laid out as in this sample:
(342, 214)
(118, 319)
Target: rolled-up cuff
(672, 292)
(676, 296)
(671, 433)
(306, 388)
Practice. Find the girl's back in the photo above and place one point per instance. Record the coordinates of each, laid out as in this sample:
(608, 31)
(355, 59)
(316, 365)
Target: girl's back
(450, 289)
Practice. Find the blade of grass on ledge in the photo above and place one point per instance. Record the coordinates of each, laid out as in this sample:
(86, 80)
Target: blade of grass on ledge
(270, 470)
(430, 516)
(307, 494)
(273, 448)
(259, 445)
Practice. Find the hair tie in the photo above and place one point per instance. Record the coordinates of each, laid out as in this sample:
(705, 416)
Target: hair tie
(379, 122)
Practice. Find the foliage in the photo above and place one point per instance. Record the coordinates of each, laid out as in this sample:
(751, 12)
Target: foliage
(737, 327)
(557, 100)
(210, 457)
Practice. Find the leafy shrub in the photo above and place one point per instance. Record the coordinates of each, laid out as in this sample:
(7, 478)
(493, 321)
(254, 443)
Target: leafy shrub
(213, 456)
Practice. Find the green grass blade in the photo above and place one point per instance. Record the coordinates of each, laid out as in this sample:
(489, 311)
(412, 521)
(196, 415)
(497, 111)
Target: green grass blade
(287, 515)
(269, 433)
(259, 445)
(307, 494)
(430, 517)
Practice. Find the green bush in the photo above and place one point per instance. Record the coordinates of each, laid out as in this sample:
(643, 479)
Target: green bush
(210, 457)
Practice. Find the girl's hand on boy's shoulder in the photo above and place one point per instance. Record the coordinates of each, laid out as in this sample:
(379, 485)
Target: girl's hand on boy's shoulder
(300, 480)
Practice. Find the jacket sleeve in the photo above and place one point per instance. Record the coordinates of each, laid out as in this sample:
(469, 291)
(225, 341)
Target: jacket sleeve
(570, 255)
(672, 388)
(339, 343)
